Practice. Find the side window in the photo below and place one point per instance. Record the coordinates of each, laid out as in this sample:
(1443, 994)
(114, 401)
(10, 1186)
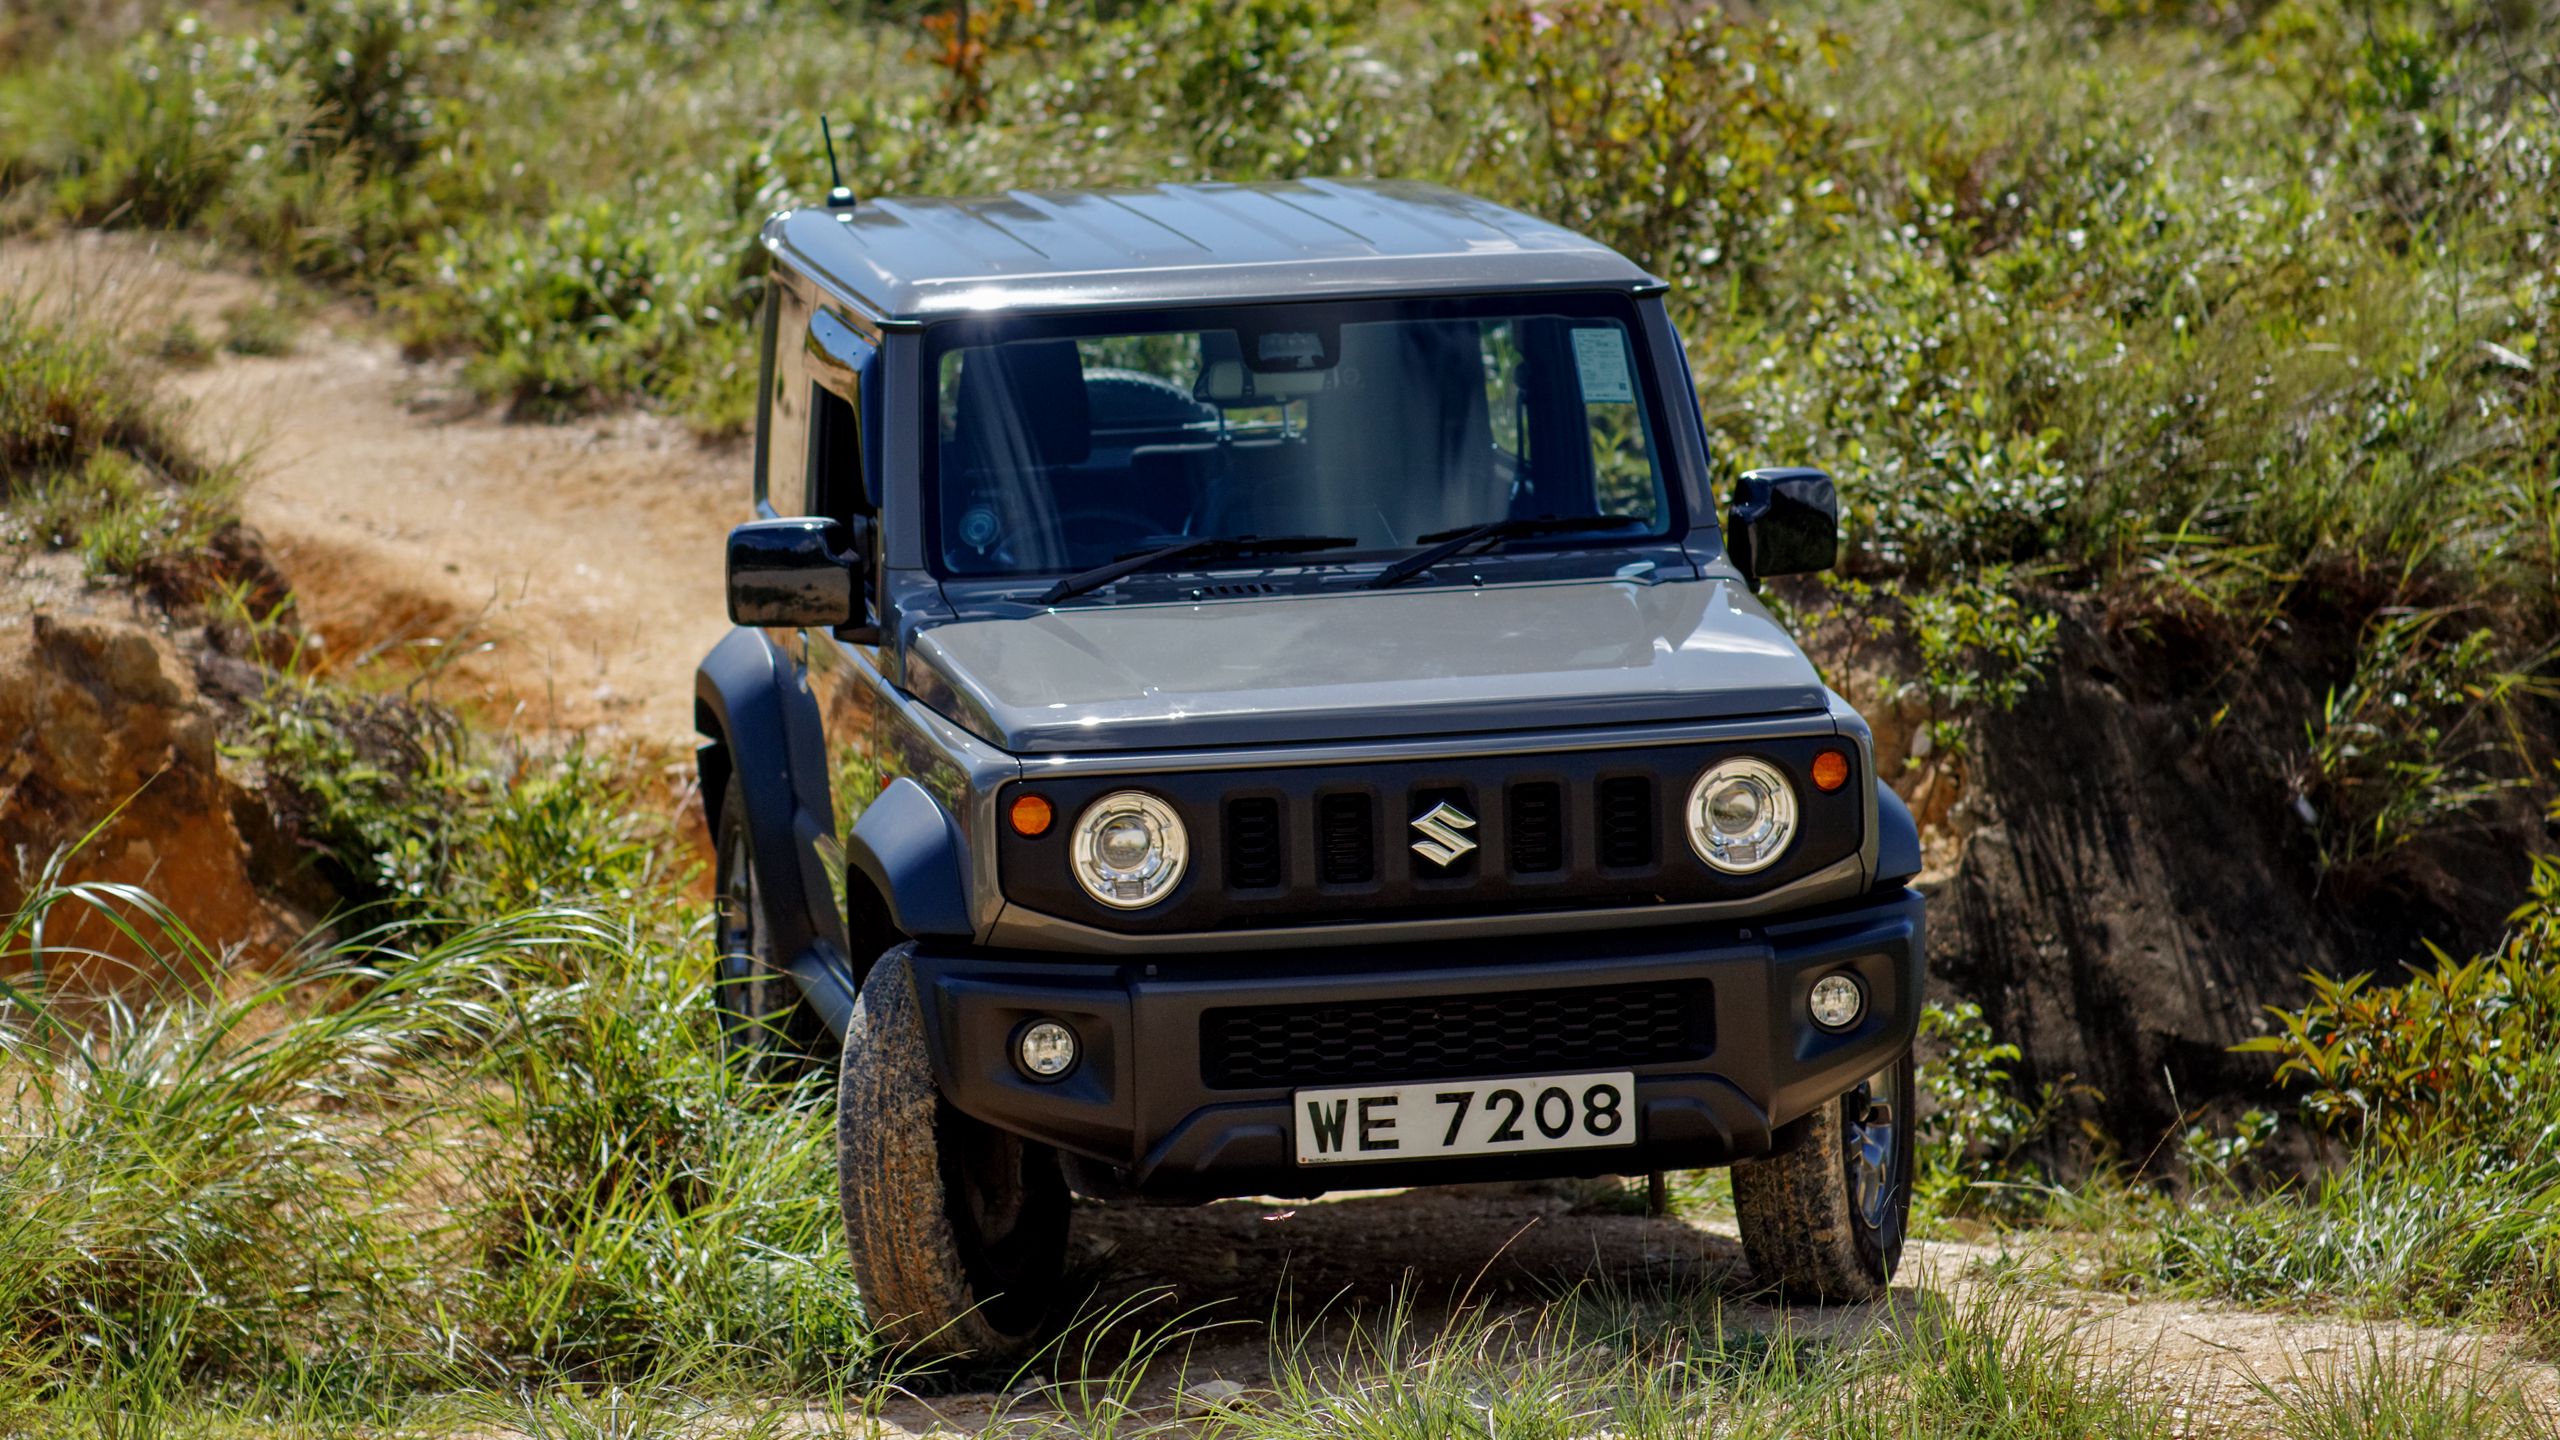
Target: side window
(768, 324)
(835, 482)
(783, 484)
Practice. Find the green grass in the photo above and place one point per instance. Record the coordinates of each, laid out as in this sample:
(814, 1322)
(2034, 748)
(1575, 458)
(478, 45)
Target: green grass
(91, 457)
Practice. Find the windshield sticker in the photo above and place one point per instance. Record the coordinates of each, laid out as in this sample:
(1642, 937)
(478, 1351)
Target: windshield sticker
(1600, 358)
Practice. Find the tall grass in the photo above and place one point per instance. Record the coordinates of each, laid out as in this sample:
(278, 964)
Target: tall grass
(415, 1155)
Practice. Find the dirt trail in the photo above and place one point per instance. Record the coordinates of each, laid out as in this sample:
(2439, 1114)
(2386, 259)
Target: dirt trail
(567, 576)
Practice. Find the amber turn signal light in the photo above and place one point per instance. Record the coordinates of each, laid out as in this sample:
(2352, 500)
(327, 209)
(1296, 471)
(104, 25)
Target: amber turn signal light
(1830, 771)
(1031, 816)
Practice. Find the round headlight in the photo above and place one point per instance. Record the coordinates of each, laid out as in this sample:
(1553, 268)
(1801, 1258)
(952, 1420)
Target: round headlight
(1742, 814)
(1129, 849)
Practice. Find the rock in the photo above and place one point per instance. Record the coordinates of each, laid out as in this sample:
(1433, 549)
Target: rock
(1210, 1396)
(106, 744)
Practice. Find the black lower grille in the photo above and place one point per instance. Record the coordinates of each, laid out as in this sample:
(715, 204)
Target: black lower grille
(1347, 842)
(1448, 1036)
(1254, 857)
(1626, 821)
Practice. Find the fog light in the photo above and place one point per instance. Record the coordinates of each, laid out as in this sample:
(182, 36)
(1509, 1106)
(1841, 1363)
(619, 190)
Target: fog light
(1838, 1001)
(1045, 1050)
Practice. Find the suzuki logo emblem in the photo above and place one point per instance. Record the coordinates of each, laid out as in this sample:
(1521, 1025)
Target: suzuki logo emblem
(1441, 842)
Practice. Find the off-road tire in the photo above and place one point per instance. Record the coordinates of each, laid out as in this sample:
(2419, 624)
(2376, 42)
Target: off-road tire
(1800, 1212)
(768, 1029)
(958, 1230)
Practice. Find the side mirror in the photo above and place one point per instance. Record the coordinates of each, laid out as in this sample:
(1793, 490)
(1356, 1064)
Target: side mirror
(1782, 522)
(793, 573)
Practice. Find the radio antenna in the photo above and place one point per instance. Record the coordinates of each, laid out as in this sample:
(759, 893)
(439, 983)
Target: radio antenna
(841, 197)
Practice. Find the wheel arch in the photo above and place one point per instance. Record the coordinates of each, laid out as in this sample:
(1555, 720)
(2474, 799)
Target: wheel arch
(760, 725)
(912, 853)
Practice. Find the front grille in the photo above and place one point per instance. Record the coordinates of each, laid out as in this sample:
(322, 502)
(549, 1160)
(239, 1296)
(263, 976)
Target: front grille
(1255, 859)
(1316, 842)
(1445, 1037)
(1347, 842)
(1536, 822)
(1626, 821)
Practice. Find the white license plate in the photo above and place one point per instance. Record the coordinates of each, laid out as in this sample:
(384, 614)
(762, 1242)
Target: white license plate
(1370, 1123)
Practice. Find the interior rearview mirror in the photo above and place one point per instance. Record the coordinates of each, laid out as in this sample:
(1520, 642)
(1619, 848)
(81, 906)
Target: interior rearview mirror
(797, 572)
(1782, 522)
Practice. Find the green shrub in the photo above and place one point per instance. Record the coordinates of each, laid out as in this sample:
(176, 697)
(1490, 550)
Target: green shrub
(1976, 1127)
(598, 304)
(1675, 134)
(2453, 1055)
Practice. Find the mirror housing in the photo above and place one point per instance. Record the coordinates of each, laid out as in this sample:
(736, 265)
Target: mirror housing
(1782, 522)
(794, 573)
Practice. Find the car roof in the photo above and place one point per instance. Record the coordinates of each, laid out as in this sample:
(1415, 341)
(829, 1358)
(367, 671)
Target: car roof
(910, 260)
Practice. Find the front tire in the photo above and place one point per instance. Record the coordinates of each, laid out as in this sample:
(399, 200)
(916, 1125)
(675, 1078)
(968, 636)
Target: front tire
(1825, 1220)
(958, 1230)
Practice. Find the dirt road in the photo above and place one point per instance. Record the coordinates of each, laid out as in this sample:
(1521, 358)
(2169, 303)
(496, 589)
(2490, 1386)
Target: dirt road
(561, 577)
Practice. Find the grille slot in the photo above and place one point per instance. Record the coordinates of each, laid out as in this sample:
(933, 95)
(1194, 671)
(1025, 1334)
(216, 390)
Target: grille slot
(1535, 820)
(1626, 821)
(1254, 852)
(1444, 1037)
(1346, 840)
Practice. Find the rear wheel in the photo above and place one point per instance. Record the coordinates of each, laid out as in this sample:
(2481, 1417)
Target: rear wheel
(958, 1230)
(767, 1028)
(1825, 1220)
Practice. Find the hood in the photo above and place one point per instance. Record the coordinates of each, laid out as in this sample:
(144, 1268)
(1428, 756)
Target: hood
(1365, 665)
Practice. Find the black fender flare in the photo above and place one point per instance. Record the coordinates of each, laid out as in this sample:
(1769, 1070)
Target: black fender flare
(760, 723)
(915, 855)
(1897, 839)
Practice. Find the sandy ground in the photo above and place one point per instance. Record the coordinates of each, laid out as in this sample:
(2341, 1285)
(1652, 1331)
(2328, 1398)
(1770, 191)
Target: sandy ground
(569, 578)
(1234, 1267)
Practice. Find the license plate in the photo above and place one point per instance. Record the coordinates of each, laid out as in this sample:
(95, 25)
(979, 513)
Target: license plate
(1370, 1123)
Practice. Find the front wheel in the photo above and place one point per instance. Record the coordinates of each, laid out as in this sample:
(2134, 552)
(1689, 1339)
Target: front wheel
(958, 1230)
(1825, 1220)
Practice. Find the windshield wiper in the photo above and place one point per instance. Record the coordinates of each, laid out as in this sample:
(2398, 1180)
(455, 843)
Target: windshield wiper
(1452, 543)
(1217, 547)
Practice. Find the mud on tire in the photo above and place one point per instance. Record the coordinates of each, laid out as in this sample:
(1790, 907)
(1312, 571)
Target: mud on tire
(1824, 1221)
(958, 1230)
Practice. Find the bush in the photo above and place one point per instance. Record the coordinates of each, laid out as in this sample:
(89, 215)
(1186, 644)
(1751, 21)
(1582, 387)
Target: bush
(2454, 1055)
(1977, 1130)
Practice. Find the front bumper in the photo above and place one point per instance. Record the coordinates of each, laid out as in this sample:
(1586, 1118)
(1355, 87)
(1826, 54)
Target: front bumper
(1141, 1101)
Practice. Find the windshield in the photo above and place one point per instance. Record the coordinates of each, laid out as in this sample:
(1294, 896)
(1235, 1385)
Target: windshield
(1378, 423)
